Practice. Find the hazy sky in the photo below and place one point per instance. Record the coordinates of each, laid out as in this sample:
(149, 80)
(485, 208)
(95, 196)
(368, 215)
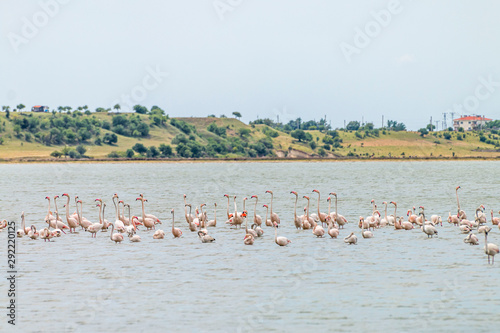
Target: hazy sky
(406, 60)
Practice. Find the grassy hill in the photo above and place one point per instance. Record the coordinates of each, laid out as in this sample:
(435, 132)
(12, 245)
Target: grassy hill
(35, 136)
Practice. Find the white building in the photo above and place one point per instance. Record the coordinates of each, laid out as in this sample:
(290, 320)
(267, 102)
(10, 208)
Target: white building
(469, 123)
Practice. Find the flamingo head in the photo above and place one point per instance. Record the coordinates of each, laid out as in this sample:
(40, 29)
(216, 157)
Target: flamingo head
(334, 194)
(253, 196)
(288, 241)
(141, 195)
(244, 214)
(275, 224)
(234, 197)
(227, 196)
(294, 192)
(215, 204)
(65, 195)
(138, 199)
(408, 212)
(457, 188)
(384, 203)
(421, 207)
(269, 191)
(316, 191)
(47, 198)
(172, 211)
(184, 196)
(100, 200)
(79, 201)
(265, 206)
(392, 202)
(203, 205)
(305, 196)
(121, 201)
(115, 195)
(245, 198)
(231, 216)
(328, 199)
(372, 201)
(56, 197)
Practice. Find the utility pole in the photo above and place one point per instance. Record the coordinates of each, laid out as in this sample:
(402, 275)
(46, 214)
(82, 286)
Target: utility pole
(431, 125)
(444, 120)
(344, 124)
(437, 122)
(382, 121)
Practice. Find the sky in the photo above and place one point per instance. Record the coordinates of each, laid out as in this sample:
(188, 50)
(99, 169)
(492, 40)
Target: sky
(402, 60)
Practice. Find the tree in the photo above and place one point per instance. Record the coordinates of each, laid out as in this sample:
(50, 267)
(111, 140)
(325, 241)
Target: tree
(423, 131)
(166, 150)
(153, 152)
(21, 107)
(117, 107)
(56, 154)
(130, 153)
(5, 108)
(243, 132)
(140, 148)
(299, 135)
(352, 126)
(110, 138)
(140, 109)
(81, 150)
(236, 114)
(431, 127)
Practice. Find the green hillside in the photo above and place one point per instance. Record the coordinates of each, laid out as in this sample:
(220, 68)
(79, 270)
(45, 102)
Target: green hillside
(102, 135)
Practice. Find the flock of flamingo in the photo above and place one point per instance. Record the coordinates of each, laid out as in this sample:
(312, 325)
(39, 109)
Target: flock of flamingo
(199, 222)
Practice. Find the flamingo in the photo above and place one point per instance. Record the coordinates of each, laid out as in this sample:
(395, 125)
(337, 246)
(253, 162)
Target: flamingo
(461, 214)
(436, 219)
(494, 220)
(213, 223)
(407, 225)
(151, 216)
(45, 234)
(131, 235)
(257, 220)
(23, 231)
(32, 233)
(237, 219)
(175, 231)
(489, 248)
(192, 225)
(117, 238)
(412, 218)
(366, 233)
(83, 221)
(398, 223)
(120, 227)
(205, 238)
(268, 222)
(453, 219)
(308, 221)
(332, 231)
(248, 240)
(351, 239)
(321, 216)
(229, 216)
(281, 241)
(341, 220)
(189, 217)
(72, 222)
(148, 222)
(296, 219)
(49, 215)
(471, 239)
(274, 216)
(159, 234)
(429, 230)
(3, 225)
(58, 232)
(248, 231)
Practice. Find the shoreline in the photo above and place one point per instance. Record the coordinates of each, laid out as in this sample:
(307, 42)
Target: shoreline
(29, 160)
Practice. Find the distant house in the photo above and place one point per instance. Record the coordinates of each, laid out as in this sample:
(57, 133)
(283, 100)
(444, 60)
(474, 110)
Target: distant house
(40, 108)
(470, 123)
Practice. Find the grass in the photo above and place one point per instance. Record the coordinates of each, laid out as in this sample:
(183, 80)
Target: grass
(393, 144)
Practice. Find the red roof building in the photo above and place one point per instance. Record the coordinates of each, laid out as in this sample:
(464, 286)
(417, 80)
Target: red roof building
(470, 123)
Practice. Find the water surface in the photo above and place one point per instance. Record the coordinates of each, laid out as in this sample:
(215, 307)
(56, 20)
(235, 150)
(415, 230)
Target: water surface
(399, 280)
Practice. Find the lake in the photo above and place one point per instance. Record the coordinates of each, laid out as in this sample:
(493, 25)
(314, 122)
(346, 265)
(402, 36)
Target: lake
(398, 280)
